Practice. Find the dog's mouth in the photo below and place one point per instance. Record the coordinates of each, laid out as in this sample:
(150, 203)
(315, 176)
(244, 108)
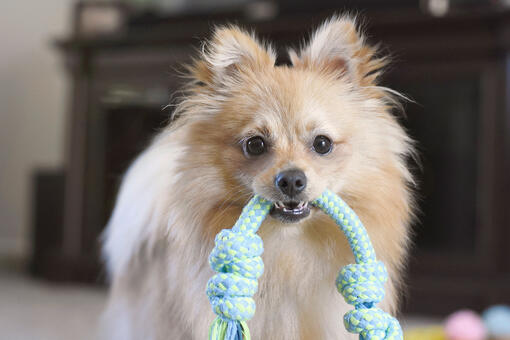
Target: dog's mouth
(290, 212)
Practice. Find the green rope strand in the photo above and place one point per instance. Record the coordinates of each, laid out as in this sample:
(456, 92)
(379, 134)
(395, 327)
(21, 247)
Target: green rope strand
(236, 259)
(361, 284)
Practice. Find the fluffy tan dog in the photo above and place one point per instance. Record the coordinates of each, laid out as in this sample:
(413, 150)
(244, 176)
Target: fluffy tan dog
(247, 126)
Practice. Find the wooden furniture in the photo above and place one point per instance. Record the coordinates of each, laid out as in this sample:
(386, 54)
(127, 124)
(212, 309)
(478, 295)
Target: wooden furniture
(456, 68)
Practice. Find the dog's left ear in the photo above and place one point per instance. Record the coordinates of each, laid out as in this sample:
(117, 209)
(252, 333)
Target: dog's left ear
(339, 49)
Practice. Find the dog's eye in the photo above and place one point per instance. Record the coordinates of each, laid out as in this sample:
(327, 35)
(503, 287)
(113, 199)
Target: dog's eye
(322, 145)
(255, 146)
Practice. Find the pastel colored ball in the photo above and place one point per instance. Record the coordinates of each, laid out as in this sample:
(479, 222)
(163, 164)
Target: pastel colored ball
(497, 320)
(465, 325)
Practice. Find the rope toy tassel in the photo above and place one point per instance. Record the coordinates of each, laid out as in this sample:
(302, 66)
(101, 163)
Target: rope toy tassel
(236, 259)
(229, 330)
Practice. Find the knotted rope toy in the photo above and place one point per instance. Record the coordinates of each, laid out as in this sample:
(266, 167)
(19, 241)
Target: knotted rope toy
(236, 259)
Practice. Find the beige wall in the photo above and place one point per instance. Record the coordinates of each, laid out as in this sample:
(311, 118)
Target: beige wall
(32, 104)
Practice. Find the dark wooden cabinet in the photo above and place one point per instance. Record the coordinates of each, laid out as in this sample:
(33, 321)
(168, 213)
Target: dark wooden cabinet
(456, 69)
(457, 118)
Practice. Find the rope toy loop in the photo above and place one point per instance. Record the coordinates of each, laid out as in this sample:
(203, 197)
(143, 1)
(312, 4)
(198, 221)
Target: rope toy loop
(236, 259)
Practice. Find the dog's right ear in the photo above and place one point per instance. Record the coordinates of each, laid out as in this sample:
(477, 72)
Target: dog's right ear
(229, 52)
(338, 48)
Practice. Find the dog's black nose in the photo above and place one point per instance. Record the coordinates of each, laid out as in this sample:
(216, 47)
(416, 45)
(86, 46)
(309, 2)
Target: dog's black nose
(291, 182)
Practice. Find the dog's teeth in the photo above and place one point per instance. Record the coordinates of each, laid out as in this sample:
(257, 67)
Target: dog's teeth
(278, 204)
(300, 205)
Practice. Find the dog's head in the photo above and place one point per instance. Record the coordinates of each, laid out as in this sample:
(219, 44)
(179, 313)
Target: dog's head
(289, 132)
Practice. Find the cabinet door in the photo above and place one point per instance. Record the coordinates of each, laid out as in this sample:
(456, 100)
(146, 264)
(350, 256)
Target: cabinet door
(452, 120)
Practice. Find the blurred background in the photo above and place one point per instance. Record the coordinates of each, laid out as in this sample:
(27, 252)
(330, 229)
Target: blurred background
(84, 85)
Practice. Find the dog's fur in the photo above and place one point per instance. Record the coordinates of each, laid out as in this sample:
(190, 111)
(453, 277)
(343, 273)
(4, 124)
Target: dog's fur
(194, 179)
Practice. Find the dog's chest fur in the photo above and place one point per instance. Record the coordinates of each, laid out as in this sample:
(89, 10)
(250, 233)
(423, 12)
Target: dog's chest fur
(297, 296)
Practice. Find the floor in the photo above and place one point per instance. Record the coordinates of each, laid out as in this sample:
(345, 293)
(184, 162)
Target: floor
(36, 310)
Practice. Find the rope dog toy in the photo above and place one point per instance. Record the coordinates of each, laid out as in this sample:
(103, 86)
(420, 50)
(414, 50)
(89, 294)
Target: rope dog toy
(236, 259)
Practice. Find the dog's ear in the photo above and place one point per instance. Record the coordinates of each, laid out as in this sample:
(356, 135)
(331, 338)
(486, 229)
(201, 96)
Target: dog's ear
(230, 51)
(338, 48)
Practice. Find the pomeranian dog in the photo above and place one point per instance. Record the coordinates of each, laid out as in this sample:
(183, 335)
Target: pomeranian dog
(286, 133)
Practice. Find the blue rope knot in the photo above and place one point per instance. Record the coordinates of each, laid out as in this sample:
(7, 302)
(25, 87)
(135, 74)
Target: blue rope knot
(236, 259)
(372, 324)
(362, 285)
